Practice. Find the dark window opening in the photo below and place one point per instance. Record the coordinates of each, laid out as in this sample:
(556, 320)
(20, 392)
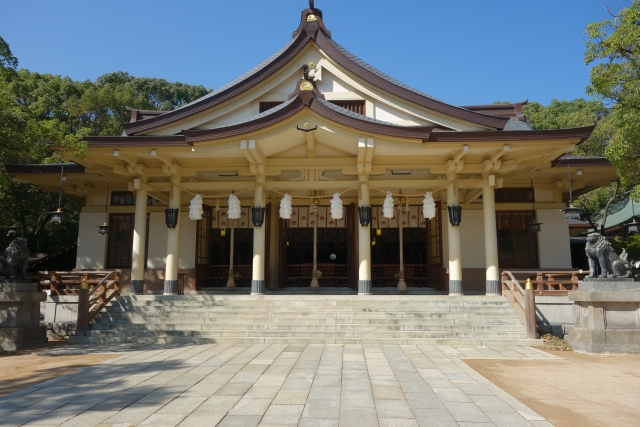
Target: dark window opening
(242, 247)
(358, 107)
(514, 195)
(265, 106)
(126, 198)
(517, 247)
(120, 243)
(330, 242)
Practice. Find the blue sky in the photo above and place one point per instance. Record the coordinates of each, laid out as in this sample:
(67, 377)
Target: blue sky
(461, 51)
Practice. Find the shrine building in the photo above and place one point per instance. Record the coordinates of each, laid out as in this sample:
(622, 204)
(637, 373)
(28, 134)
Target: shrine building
(314, 121)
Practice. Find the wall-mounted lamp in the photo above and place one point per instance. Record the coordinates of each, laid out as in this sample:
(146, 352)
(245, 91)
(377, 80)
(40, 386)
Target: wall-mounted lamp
(171, 217)
(257, 216)
(455, 215)
(364, 212)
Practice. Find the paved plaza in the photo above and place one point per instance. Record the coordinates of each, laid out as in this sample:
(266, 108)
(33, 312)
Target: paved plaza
(315, 385)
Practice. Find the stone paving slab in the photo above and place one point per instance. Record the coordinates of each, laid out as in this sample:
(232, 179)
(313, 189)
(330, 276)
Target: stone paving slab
(263, 385)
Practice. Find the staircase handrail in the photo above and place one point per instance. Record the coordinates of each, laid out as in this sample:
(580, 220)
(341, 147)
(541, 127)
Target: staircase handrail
(89, 306)
(523, 301)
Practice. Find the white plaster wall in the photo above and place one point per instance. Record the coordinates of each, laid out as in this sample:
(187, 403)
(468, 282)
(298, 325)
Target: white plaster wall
(553, 240)
(445, 238)
(543, 196)
(472, 238)
(157, 255)
(91, 246)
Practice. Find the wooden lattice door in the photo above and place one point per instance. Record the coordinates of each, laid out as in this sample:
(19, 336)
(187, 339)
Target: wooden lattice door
(434, 250)
(203, 248)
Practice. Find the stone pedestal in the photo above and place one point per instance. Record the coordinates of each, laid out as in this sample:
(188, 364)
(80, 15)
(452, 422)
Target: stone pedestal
(606, 314)
(20, 315)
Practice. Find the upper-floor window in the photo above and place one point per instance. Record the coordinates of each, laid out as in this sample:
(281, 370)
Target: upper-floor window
(514, 195)
(265, 106)
(126, 198)
(356, 106)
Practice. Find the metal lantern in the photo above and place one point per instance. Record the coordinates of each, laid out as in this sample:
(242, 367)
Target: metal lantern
(104, 229)
(14, 231)
(534, 227)
(572, 212)
(378, 231)
(633, 227)
(171, 217)
(58, 217)
(223, 232)
(364, 212)
(257, 216)
(455, 215)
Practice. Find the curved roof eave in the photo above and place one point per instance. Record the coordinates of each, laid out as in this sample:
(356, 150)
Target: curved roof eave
(316, 31)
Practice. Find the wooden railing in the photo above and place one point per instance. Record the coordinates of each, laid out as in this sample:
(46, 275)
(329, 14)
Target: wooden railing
(387, 274)
(331, 274)
(556, 283)
(91, 302)
(523, 300)
(68, 282)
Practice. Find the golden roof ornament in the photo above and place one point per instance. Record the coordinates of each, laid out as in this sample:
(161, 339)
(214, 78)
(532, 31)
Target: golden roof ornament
(306, 85)
(311, 17)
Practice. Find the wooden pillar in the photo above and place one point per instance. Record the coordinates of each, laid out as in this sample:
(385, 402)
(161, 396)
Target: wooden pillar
(259, 241)
(455, 249)
(364, 241)
(139, 240)
(490, 237)
(173, 242)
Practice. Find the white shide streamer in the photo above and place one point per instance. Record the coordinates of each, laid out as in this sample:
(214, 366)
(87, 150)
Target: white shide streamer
(428, 206)
(285, 207)
(387, 207)
(235, 210)
(336, 207)
(195, 209)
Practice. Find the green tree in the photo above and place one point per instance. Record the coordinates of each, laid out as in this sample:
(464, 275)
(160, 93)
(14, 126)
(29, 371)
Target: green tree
(613, 49)
(576, 113)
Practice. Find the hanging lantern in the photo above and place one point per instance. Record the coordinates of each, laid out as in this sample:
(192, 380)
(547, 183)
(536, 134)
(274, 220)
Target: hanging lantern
(428, 206)
(455, 215)
(257, 216)
(104, 229)
(387, 207)
(58, 217)
(285, 206)
(336, 207)
(14, 231)
(171, 217)
(378, 231)
(235, 210)
(223, 232)
(364, 212)
(572, 212)
(632, 227)
(195, 209)
(534, 227)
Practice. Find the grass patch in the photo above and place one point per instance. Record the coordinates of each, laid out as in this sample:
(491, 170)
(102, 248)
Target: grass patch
(551, 342)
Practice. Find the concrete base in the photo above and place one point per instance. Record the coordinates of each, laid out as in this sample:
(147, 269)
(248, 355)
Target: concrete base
(606, 315)
(554, 314)
(455, 287)
(257, 287)
(364, 287)
(20, 315)
(493, 287)
(171, 287)
(137, 287)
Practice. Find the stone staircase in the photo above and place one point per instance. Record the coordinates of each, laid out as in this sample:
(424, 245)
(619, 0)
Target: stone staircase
(339, 319)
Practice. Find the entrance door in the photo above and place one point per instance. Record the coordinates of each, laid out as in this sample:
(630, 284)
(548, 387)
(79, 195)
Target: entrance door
(203, 248)
(435, 267)
(221, 256)
(385, 256)
(335, 247)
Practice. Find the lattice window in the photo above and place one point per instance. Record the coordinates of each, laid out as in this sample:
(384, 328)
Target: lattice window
(517, 247)
(356, 106)
(265, 106)
(120, 243)
(514, 195)
(126, 198)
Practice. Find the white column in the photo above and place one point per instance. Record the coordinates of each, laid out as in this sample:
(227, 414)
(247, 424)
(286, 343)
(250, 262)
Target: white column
(257, 274)
(364, 241)
(490, 236)
(173, 240)
(139, 240)
(455, 259)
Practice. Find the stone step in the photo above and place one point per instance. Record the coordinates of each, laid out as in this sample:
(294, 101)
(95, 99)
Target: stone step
(306, 340)
(312, 327)
(309, 334)
(318, 303)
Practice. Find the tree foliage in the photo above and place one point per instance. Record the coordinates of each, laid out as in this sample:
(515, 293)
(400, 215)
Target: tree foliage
(37, 110)
(614, 50)
(576, 113)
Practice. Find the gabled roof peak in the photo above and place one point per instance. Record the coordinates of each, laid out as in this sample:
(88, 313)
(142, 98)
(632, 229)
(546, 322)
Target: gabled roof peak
(311, 22)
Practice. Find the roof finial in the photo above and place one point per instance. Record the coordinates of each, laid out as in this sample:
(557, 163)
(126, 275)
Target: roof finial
(311, 4)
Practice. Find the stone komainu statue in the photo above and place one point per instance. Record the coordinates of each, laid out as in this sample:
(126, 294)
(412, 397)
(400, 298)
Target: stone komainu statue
(16, 254)
(600, 252)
